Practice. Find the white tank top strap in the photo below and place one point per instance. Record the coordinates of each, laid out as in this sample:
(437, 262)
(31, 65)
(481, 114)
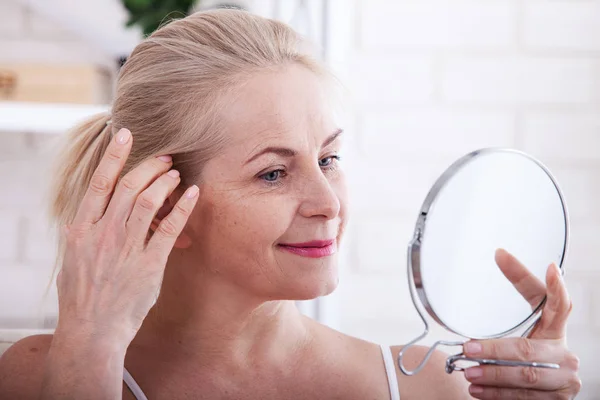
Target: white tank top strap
(133, 386)
(390, 370)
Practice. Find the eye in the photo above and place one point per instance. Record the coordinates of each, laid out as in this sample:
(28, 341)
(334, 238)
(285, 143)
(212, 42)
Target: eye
(328, 161)
(272, 176)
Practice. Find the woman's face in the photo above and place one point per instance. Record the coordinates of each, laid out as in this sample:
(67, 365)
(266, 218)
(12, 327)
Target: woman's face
(272, 205)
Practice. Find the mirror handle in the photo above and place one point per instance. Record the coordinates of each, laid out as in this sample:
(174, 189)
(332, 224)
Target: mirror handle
(427, 356)
(451, 366)
(451, 361)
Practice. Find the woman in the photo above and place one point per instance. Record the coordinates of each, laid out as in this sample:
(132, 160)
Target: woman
(232, 202)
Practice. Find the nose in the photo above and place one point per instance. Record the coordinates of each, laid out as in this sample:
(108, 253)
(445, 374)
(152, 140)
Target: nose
(319, 198)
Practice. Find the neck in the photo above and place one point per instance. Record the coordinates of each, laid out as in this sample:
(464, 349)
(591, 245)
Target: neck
(207, 320)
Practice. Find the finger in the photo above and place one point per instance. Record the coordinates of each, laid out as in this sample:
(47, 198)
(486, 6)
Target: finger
(147, 205)
(496, 393)
(515, 349)
(104, 179)
(526, 283)
(519, 377)
(553, 324)
(132, 184)
(171, 226)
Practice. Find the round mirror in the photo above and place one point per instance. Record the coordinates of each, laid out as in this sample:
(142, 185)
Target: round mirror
(489, 200)
(487, 232)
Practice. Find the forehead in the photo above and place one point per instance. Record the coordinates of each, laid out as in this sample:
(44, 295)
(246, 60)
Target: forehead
(279, 104)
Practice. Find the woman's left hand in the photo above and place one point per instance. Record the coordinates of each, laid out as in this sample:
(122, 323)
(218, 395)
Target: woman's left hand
(546, 343)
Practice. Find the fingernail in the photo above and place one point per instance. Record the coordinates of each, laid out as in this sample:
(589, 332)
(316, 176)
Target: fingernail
(123, 136)
(473, 347)
(165, 158)
(474, 372)
(173, 173)
(475, 389)
(192, 192)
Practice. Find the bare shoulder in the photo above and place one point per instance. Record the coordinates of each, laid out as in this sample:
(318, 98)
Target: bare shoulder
(22, 367)
(349, 367)
(432, 382)
(361, 362)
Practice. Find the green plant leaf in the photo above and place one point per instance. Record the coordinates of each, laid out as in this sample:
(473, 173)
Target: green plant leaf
(136, 4)
(151, 14)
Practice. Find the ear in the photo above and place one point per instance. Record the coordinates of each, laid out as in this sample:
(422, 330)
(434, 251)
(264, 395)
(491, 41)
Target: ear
(183, 241)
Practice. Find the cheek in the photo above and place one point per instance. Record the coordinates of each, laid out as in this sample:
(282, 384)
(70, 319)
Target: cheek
(269, 217)
(250, 221)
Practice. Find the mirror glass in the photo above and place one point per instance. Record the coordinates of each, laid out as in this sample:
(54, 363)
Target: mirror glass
(489, 200)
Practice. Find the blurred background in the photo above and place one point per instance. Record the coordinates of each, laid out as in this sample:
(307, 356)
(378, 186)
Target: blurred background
(427, 80)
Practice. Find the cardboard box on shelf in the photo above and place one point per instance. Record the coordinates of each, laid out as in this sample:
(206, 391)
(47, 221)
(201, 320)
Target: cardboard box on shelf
(78, 84)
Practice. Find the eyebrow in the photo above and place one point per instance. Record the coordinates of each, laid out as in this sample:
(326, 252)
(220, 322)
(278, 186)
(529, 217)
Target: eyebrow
(285, 152)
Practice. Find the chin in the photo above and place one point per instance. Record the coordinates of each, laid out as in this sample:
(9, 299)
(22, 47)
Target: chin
(312, 285)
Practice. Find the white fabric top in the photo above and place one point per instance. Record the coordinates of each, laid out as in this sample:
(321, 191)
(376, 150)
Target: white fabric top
(390, 370)
(388, 360)
(133, 386)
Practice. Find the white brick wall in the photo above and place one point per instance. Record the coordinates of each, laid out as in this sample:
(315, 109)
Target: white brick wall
(422, 25)
(411, 132)
(412, 180)
(10, 233)
(381, 81)
(584, 252)
(564, 25)
(581, 188)
(562, 135)
(380, 248)
(521, 80)
(434, 79)
(26, 247)
(23, 292)
(13, 19)
(26, 36)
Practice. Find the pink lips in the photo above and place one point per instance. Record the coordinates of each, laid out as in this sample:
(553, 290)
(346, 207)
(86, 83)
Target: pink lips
(312, 249)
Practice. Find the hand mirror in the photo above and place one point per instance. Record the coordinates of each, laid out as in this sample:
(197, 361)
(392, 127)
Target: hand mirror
(486, 205)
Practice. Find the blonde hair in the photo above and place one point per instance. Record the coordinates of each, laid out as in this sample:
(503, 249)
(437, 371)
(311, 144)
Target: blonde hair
(169, 94)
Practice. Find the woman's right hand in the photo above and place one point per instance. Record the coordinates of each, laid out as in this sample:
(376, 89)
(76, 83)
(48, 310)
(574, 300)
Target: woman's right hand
(111, 273)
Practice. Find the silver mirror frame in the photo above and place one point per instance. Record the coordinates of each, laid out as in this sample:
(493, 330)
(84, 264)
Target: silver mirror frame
(417, 290)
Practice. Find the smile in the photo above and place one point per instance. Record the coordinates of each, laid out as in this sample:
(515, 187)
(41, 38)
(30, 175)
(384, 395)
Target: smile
(314, 249)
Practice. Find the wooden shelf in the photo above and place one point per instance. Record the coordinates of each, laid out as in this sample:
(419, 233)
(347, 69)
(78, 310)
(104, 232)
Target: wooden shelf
(44, 118)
